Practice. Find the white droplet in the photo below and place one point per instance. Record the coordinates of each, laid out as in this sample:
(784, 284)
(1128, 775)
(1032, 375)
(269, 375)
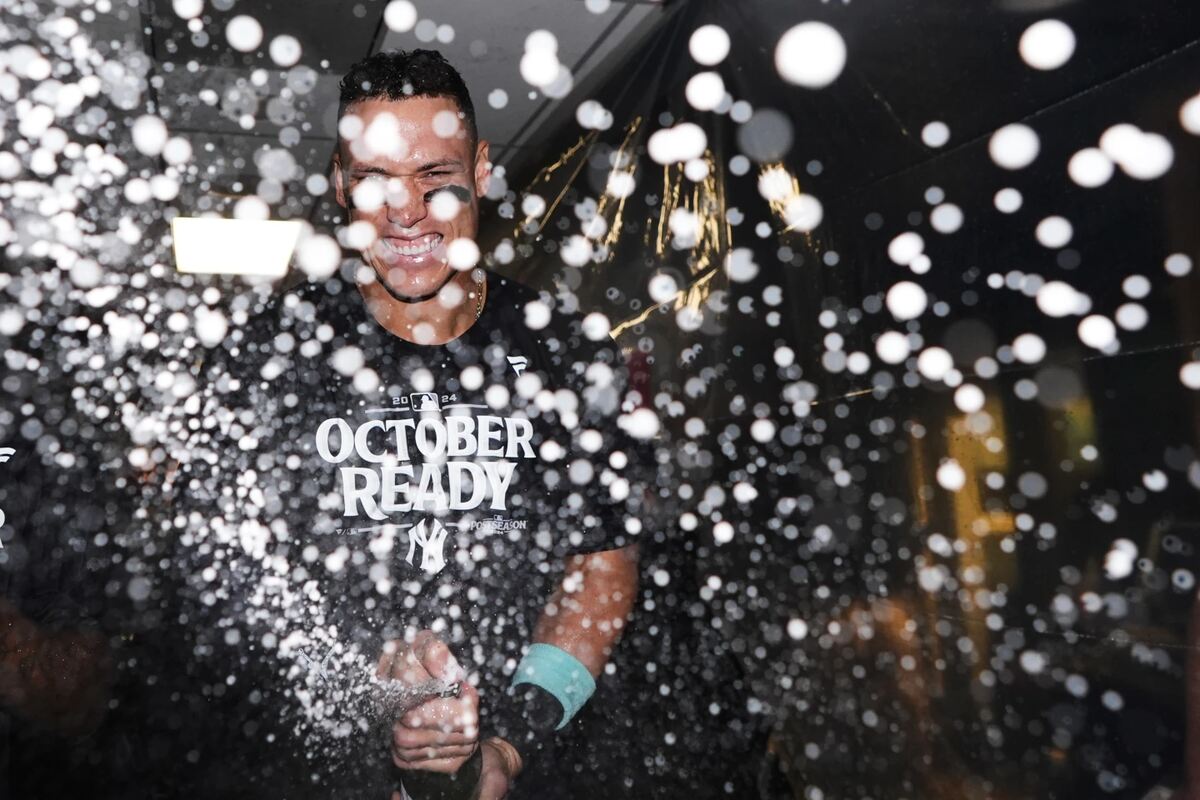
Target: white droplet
(533, 205)
(596, 326)
(1189, 374)
(593, 116)
(368, 194)
(1136, 286)
(1132, 316)
(1155, 480)
(251, 207)
(537, 315)
(360, 235)
(740, 266)
(497, 396)
(1059, 299)
(696, 170)
(950, 475)
(1143, 156)
(445, 123)
(705, 91)
(318, 256)
(284, 50)
(1008, 201)
(892, 347)
(641, 423)
(1151, 160)
(577, 251)
(244, 33)
(1054, 232)
(662, 288)
(137, 190)
(86, 273)
(1029, 348)
(744, 492)
(797, 629)
(444, 206)
(347, 360)
(946, 218)
(812, 54)
(1119, 561)
(709, 45)
(400, 16)
(762, 430)
(905, 247)
(497, 98)
(540, 68)
(1014, 146)
(1178, 265)
(803, 212)
(934, 363)
(1189, 115)
(935, 134)
(210, 326)
(1118, 141)
(906, 300)
(1097, 331)
(620, 184)
(177, 150)
(541, 40)
(683, 142)
(1090, 167)
(723, 532)
(149, 135)
(1047, 44)
(969, 398)
(462, 253)
(1033, 662)
(188, 9)
(775, 185)
(689, 319)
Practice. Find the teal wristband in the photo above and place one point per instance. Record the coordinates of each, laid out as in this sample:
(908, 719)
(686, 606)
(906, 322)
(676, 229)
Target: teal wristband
(560, 674)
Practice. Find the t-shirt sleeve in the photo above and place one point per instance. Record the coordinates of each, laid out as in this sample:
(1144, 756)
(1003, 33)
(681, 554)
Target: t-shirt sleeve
(606, 465)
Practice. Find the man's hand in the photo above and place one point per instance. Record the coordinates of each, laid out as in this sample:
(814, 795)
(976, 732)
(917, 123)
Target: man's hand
(501, 764)
(440, 734)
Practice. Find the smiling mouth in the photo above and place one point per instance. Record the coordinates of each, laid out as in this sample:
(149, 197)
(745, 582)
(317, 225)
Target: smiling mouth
(412, 248)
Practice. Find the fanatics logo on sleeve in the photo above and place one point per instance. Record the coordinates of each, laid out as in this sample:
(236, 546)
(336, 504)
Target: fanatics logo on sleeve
(519, 363)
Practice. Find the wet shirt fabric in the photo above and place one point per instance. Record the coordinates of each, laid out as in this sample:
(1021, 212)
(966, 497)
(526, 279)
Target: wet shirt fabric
(402, 486)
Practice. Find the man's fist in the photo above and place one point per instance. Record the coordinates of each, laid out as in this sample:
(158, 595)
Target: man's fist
(442, 733)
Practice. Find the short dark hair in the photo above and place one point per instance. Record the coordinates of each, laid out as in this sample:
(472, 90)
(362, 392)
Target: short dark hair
(398, 74)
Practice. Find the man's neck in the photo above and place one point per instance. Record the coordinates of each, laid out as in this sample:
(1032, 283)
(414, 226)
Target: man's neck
(426, 322)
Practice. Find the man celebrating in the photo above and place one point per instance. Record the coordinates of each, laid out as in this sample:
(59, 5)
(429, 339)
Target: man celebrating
(461, 501)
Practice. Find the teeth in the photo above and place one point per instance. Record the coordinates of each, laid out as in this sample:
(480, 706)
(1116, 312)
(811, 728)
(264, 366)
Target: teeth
(419, 247)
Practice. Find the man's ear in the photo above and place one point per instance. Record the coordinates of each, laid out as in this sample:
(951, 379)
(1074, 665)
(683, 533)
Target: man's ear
(483, 168)
(339, 191)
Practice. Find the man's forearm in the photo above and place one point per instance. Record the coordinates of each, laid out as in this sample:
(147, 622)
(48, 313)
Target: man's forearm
(587, 613)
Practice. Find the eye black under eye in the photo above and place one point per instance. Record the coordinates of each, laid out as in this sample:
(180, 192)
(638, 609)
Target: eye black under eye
(460, 193)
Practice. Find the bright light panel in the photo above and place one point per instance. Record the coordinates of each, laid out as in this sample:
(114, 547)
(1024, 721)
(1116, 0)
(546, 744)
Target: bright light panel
(216, 246)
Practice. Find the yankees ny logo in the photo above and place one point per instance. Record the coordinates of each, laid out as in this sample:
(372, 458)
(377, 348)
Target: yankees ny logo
(431, 536)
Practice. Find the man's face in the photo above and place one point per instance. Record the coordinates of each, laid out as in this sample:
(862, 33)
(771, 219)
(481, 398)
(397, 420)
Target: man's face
(410, 170)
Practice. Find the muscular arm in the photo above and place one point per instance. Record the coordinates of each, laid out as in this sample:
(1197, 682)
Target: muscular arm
(587, 613)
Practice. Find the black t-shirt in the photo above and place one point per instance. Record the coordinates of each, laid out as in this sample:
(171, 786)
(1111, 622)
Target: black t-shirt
(373, 485)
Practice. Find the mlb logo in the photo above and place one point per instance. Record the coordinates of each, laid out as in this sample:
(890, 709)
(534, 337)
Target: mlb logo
(424, 401)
